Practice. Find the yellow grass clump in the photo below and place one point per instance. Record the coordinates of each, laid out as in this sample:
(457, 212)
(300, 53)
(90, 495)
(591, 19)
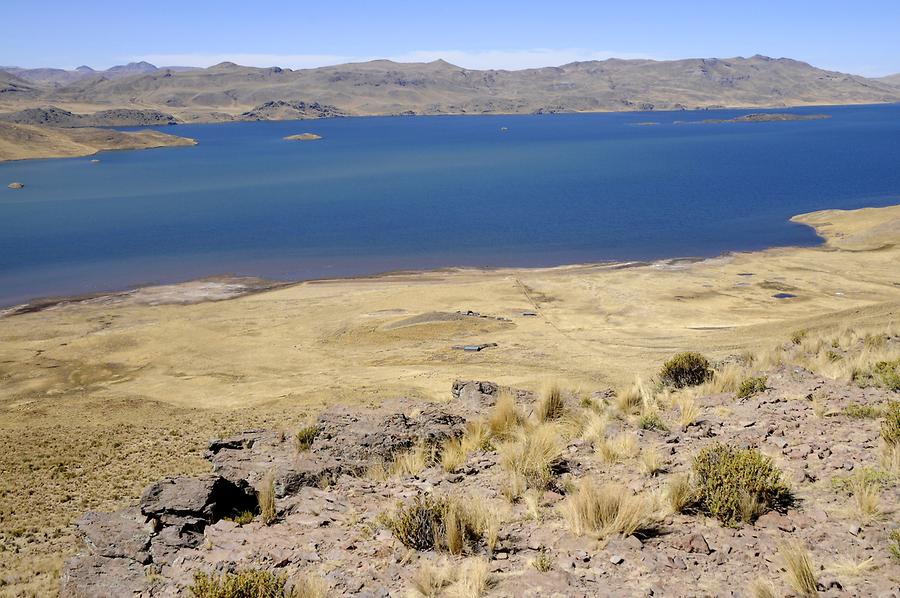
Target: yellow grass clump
(606, 510)
(265, 494)
(430, 579)
(619, 448)
(473, 579)
(533, 455)
(505, 416)
(762, 588)
(551, 405)
(680, 492)
(799, 569)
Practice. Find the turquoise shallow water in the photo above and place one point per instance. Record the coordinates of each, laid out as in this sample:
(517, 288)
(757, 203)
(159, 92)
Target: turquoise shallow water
(379, 194)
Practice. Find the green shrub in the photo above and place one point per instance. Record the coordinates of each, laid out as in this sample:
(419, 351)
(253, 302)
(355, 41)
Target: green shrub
(857, 411)
(652, 421)
(427, 523)
(305, 437)
(242, 517)
(894, 543)
(890, 427)
(419, 525)
(737, 485)
(245, 583)
(885, 374)
(685, 369)
(751, 386)
(797, 336)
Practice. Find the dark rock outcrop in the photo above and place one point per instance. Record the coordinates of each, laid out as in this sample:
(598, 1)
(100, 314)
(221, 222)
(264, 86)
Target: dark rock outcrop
(171, 516)
(283, 110)
(347, 442)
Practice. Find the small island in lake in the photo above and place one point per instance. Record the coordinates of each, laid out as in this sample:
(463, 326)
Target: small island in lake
(762, 117)
(303, 137)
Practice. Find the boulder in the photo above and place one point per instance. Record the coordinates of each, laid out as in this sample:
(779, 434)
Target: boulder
(475, 391)
(124, 534)
(357, 439)
(92, 576)
(196, 500)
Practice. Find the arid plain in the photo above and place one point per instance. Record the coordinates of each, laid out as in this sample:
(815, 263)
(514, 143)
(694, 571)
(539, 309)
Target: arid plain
(102, 396)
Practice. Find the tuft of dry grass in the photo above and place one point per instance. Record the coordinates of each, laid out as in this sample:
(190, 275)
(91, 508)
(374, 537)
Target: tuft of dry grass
(455, 451)
(453, 455)
(595, 426)
(866, 498)
(473, 579)
(412, 462)
(606, 510)
(848, 567)
(430, 579)
(613, 450)
(680, 493)
(634, 399)
(406, 464)
(726, 378)
(890, 458)
(265, 494)
(688, 412)
(533, 455)
(513, 487)
(799, 569)
(762, 588)
(819, 405)
(505, 416)
(551, 405)
(308, 586)
(532, 500)
(652, 461)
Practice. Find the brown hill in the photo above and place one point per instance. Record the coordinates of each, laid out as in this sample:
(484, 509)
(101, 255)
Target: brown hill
(227, 90)
(891, 79)
(21, 142)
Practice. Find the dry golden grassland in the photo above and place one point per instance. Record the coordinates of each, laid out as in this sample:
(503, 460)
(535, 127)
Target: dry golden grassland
(100, 398)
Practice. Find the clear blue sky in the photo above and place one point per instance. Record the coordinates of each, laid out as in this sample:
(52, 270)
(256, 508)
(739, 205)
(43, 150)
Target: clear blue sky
(861, 37)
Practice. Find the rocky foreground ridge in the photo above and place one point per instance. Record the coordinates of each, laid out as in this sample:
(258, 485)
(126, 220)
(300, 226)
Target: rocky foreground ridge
(338, 483)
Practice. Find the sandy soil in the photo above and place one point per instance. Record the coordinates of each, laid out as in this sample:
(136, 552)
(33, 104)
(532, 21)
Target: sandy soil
(102, 396)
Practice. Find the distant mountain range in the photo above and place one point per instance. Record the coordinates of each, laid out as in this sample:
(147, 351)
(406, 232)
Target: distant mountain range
(53, 76)
(228, 91)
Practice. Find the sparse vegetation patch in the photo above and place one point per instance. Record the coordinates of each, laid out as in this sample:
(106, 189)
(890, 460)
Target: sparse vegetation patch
(737, 485)
(751, 386)
(245, 583)
(685, 369)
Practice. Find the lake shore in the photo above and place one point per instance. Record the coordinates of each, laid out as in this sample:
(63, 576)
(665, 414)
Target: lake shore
(148, 382)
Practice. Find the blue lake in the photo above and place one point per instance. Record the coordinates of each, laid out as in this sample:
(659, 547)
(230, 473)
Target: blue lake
(380, 194)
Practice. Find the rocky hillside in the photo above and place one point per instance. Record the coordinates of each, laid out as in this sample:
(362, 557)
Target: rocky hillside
(751, 479)
(56, 117)
(383, 87)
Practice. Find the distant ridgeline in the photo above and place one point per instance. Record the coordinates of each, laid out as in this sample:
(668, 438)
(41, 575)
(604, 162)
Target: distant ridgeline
(231, 92)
